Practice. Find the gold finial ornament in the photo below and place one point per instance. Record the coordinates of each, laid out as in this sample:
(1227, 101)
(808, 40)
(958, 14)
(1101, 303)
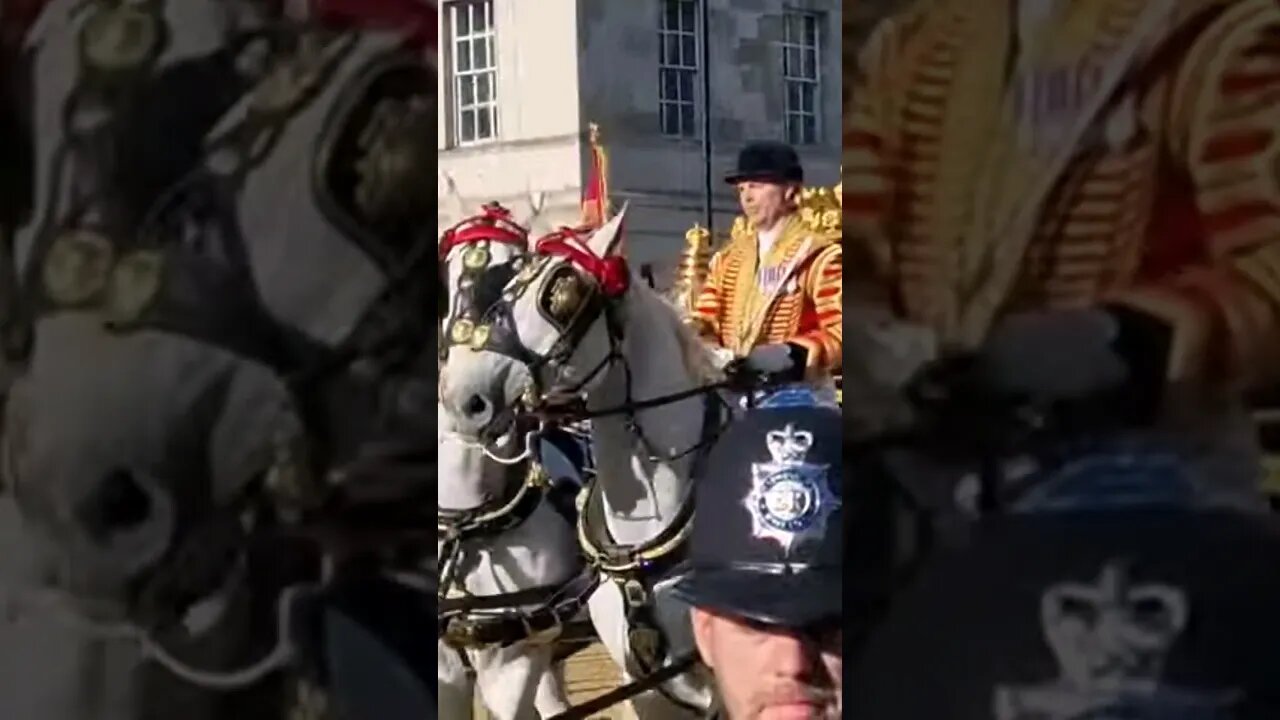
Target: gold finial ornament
(695, 265)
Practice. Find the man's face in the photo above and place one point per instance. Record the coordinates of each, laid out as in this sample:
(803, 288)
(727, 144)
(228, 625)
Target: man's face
(766, 673)
(765, 203)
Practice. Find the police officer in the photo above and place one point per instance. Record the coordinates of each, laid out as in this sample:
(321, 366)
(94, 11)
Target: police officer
(766, 557)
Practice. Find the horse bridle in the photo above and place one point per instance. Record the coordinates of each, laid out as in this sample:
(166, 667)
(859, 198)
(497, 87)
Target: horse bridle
(173, 287)
(473, 238)
(571, 298)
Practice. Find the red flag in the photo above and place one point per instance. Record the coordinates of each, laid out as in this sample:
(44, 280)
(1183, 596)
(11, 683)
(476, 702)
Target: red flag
(595, 192)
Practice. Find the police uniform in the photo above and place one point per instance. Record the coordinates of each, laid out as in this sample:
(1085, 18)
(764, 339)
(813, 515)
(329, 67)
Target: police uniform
(772, 551)
(792, 295)
(370, 642)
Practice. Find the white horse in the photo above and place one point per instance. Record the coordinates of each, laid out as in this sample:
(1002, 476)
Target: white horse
(585, 331)
(540, 552)
(134, 450)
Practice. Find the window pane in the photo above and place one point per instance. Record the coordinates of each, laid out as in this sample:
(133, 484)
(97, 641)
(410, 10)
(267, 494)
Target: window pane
(688, 23)
(670, 85)
(464, 56)
(484, 88)
(811, 31)
(688, 51)
(462, 20)
(686, 86)
(671, 15)
(809, 93)
(467, 91)
(672, 43)
(467, 128)
(485, 124)
(686, 120)
(810, 130)
(811, 64)
(667, 119)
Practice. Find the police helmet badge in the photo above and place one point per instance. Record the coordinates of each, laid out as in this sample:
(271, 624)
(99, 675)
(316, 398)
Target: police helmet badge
(1111, 639)
(791, 498)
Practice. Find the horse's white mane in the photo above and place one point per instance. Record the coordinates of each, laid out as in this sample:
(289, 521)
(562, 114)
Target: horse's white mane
(696, 355)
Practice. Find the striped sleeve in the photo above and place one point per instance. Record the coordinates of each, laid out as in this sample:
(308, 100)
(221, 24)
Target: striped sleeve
(867, 173)
(1230, 321)
(824, 283)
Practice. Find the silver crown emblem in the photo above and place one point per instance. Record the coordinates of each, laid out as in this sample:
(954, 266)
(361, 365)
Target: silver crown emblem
(789, 445)
(791, 498)
(1111, 640)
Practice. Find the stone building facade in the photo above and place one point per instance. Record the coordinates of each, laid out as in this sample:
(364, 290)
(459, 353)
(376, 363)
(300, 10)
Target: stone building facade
(514, 115)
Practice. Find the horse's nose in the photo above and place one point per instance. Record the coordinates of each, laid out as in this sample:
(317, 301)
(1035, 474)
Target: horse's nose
(117, 503)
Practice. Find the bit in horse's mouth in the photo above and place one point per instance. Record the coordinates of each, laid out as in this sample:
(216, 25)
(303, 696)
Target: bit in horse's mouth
(501, 430)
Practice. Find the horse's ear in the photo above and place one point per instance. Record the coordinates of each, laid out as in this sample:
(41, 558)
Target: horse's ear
(608, 239)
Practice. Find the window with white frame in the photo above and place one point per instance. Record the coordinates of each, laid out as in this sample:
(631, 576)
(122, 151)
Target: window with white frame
(678, 67)
(473, 64)
(802, 76)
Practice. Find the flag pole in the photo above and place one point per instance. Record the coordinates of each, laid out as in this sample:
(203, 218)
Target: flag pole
(705, 42)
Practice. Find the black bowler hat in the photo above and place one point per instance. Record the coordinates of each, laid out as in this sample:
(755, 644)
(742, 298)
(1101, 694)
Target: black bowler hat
(767, 542)
(769, 161)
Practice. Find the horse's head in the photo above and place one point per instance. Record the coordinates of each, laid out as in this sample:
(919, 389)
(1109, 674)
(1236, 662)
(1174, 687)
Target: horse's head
(260, 329)
(470, 252)
(553, 333)
(476, 257)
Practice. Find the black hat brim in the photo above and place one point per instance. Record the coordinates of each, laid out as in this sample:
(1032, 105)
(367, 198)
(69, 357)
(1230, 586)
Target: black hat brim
(793, 601)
